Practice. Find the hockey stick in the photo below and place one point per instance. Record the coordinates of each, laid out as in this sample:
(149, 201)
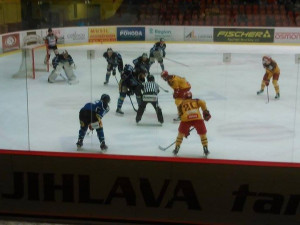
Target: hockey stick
(165, 90)
(172, 60)
(165, 148)
(268, 98)
(132, 104)
(116, 79)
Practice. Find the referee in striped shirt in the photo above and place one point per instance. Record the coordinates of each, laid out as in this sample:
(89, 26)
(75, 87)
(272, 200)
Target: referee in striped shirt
(149, 95)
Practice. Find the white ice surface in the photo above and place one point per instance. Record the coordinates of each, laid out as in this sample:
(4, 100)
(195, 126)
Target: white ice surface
(243, 126)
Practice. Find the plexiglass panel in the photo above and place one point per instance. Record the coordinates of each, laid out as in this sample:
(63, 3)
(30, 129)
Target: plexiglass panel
(244, 125)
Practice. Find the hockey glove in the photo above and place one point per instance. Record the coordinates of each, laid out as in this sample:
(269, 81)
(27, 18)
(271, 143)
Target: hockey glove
(206, 115)
(267, 82)
(114, 72)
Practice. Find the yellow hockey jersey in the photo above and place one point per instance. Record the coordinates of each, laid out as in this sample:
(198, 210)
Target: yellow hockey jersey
(272, 69)
(189, 109)
(178, 83)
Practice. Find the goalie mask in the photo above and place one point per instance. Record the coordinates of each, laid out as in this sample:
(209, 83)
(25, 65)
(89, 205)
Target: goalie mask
(65, 54)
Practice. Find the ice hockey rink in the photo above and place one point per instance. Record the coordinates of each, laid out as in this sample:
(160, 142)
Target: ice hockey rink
(38, 116)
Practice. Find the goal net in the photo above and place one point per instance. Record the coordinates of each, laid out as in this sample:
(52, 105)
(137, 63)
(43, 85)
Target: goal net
(33, 58)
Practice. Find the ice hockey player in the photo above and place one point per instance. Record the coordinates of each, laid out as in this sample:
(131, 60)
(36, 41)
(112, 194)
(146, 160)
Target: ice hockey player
(128, 85)
(179, 84)
(190, 116)
(272, 71)
(150, 89)
(64, 62)
(90, 117)
(114, 59)
(158, 52)
(51, 43)
(142, 64)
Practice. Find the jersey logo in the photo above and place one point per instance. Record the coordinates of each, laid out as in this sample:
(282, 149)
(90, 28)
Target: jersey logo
(192, 116)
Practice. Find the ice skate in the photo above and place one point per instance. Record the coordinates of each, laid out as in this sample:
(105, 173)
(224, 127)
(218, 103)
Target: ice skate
(106, 82)
(176, 150)
(103, 146)
(119, 111)
(260, 92)
(277, 96)
(79, 143)
(206, 152)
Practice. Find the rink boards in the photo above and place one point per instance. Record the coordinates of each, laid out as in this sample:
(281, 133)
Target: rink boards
(144, 190)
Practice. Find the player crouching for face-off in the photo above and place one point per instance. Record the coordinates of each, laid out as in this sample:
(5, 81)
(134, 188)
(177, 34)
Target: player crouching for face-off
(114, 59)
(191, 117)
(90, 116)
(272, 71)
(179, 85)
(64, 62)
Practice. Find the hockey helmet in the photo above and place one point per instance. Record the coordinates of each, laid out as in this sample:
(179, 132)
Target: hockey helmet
(128, 69)
(187, 95)
(65, 53)
(109, 51)
(145, 55)
(162, 40)
(266, 60)
(164, 75)
(105, 98)
(150, 78)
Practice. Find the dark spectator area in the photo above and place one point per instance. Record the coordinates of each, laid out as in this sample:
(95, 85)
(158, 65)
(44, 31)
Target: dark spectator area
(219, 13)
(63, 13)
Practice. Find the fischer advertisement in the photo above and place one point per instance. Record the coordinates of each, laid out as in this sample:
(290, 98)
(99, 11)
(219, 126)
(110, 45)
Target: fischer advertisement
(255, 35)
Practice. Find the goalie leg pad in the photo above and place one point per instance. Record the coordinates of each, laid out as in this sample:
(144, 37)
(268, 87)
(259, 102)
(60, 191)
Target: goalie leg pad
(69, 72)
(52, 77)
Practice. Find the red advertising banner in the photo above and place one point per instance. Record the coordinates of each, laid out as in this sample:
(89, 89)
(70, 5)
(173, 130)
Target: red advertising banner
(10, 42)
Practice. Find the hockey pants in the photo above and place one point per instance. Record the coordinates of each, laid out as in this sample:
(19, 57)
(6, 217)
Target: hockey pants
(142, 107)
(86, 117)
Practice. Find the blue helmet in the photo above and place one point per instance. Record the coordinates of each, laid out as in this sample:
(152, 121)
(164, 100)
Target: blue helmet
(128, 70)
(105, 98)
